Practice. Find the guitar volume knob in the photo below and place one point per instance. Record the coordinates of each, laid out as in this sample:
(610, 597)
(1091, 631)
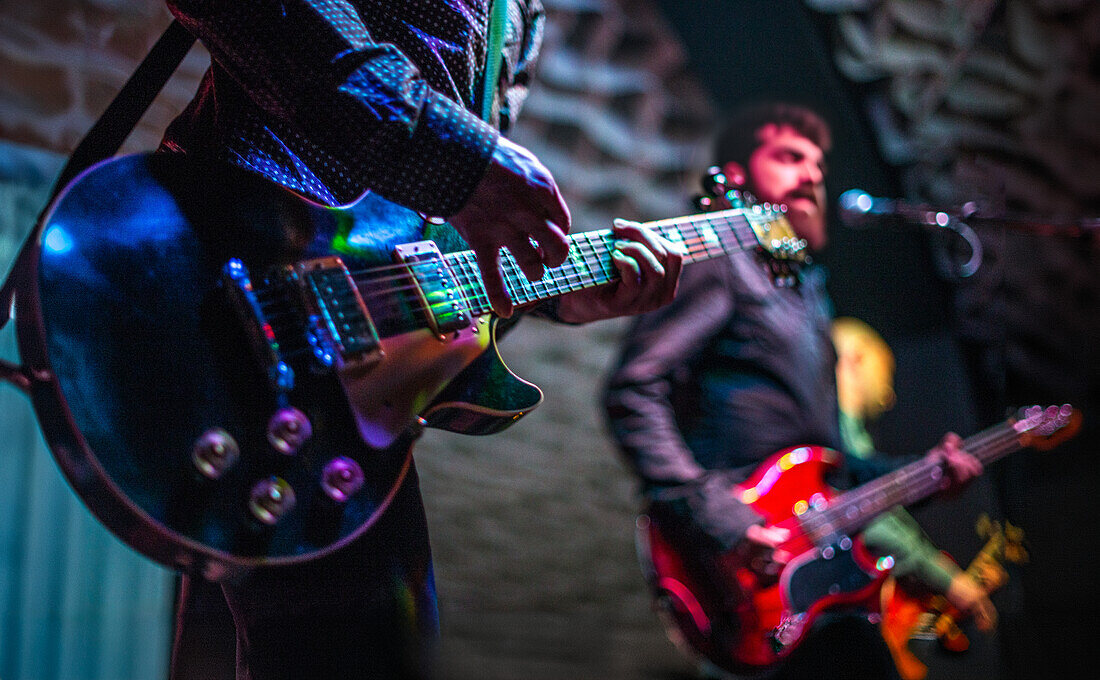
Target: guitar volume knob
(288, 429)
(271, 499)
(215, 452)
(341, 479)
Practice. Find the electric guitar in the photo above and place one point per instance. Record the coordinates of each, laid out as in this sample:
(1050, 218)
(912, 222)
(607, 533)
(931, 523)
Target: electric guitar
(911, 618)
(229, 375)
(744, 612)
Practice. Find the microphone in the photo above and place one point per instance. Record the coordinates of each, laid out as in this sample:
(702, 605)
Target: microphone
(858, 209)
(856, 206)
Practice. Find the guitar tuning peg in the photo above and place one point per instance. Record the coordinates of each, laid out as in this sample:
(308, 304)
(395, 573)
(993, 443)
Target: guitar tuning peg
(703, 203)
(715, 182)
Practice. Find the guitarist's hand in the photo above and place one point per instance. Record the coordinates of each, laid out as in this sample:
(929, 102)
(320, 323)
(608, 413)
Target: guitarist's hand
(959, 466)
(968, 597)
(649, 268)
(770, 537)
(515, 203)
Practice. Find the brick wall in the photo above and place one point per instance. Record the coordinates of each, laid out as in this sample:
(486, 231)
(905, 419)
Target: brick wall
(63, 61)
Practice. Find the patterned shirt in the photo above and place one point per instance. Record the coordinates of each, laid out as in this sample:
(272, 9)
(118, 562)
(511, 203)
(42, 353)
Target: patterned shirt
(331, 98)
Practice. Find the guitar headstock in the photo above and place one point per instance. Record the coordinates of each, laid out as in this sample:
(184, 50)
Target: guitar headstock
(1044, 428)
(1004, 542)
(775, 237)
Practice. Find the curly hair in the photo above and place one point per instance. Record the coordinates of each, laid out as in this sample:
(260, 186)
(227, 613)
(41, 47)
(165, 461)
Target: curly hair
(740, 134)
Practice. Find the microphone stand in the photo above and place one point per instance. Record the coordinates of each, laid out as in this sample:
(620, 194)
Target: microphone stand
(958, 219)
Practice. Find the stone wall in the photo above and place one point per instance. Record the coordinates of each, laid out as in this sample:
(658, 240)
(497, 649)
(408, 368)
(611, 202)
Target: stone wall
(63, 61)
(996, 102)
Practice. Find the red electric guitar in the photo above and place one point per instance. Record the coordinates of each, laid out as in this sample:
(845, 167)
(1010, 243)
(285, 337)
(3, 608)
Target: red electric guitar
(748, 613)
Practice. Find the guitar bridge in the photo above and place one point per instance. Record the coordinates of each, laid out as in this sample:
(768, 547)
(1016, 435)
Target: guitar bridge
(237, 286)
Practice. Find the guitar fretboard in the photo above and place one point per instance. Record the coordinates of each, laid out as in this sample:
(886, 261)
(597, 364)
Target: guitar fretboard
(589, 261)
(851, 511)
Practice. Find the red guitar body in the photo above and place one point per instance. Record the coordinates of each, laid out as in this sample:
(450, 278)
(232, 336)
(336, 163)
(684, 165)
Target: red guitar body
(745, 613)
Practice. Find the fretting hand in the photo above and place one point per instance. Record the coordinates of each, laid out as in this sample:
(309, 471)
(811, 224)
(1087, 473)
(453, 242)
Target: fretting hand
(649, 268)
(959, 466)
(515, 203)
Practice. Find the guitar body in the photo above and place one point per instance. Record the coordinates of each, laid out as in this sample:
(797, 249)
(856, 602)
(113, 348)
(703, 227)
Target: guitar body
(200, 416)
(744, 613)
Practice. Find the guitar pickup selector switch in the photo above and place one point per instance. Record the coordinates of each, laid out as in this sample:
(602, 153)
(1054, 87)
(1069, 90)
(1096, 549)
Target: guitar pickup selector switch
(237, 285)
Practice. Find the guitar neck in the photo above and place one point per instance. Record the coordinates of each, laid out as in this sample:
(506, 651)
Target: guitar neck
(851, 511)
(589, 261)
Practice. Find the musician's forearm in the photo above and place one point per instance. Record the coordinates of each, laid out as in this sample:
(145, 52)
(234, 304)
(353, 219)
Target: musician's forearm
(897, 534)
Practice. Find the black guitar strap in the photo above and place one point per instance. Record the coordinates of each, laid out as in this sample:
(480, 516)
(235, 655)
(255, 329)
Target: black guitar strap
(105, 138)
(129, 105)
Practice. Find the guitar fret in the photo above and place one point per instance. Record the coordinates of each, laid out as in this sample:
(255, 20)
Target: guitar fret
(578, 266)
(475, 293)
(513, 278)
(850, 511)
(581, 261)
(602, 259)
(589, 262)
(574, 279)
(480, 297)
(540, 286)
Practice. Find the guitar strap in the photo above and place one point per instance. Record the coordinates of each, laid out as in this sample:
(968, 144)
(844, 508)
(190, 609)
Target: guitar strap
(104, 138)
(498, 19)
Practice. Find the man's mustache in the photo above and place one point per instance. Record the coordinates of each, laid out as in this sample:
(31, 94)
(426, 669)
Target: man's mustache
(807, 192)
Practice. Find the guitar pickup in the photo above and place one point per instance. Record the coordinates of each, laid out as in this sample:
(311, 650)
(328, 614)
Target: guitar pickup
(338, 314)
(442, 300)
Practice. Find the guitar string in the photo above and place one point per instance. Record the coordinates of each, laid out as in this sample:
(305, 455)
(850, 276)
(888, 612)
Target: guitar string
(278, 317)
(568, 271)
(696, 245)
(912, 480)
(599, 244)
(603, 236)
(902, 482)
(916, 477)
(723, 220)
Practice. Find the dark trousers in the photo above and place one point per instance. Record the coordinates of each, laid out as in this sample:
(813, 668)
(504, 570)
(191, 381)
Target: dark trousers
(367, 611)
